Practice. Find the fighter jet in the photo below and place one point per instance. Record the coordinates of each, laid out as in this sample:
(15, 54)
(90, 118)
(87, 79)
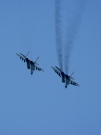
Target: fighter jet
(65, 78)
(30, 64)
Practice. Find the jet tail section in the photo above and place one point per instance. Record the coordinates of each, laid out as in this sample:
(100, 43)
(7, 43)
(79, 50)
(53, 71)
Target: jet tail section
(36, 61)
(71, 76)
(27, 54)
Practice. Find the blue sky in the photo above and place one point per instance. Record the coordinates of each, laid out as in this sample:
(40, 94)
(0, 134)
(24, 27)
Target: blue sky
(39, 104)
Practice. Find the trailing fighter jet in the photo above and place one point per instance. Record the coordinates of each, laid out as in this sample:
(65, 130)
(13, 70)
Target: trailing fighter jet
(30, 64)
(65, 78)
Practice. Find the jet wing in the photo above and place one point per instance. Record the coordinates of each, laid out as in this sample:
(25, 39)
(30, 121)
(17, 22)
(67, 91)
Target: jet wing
(59, 73)
(22, 58)
(58, 68)
(38, 68)
(74, 83)
(23, 55)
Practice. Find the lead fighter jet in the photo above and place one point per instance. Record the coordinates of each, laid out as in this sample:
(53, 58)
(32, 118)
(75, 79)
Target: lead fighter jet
(30, 64)
(65, 78)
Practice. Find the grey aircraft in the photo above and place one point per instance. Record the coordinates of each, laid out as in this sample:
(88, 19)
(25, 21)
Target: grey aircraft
(65, 78)
(30, 64)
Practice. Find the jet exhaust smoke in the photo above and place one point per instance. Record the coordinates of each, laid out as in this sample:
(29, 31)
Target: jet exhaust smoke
(73, 22)
(58, 32)
(74, 10)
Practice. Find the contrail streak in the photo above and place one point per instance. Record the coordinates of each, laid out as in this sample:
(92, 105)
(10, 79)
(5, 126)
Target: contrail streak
(58, 32)
(73, 22)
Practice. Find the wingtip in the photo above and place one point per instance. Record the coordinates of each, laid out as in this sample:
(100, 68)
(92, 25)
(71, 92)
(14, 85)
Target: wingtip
(53, 68)
(58, 68)
(17, 54)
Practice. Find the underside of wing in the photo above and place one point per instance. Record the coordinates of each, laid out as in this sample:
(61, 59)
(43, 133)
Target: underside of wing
(58, 68)
(38, 68)
(22, 58)
(59, 73)
(74, 83)
(23, 55)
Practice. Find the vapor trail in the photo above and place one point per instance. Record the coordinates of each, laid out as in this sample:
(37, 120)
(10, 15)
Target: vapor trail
(58, 32)
(73, 22)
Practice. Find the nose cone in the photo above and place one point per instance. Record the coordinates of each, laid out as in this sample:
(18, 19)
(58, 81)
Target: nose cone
(65, 86)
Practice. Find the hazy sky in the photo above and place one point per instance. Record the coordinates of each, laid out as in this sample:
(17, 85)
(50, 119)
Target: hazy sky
(40, 104)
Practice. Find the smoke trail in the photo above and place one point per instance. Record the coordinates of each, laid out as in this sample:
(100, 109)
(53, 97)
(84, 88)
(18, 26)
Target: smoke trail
(74, 20)
(58, 32)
